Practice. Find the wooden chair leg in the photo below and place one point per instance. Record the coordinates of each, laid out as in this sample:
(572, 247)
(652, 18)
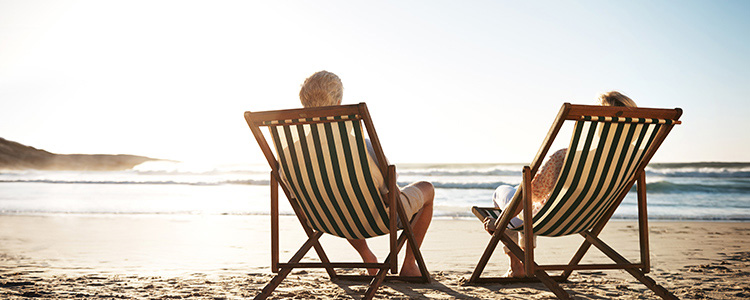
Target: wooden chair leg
(376, 282)
(393, 195)
(539, 274)
(274, 222)
(271, 286)
(491, 246)
(643, 223)
(528, 226)
(551, 285)
(637, 273)
(324, 258)
(310, 233)
(382, 274)
(576, 258)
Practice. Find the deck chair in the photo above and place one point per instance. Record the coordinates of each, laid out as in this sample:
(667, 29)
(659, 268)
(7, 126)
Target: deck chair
(322, 165)
(608, 153)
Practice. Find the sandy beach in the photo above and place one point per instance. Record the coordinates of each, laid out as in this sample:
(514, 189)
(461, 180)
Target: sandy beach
(227, 257)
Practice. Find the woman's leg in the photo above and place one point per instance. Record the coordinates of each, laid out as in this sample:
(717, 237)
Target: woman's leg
(516, 265)
(501, 198)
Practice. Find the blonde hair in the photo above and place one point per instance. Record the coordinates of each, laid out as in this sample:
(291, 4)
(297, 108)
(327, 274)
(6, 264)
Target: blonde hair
(615, 98)
(321, 89)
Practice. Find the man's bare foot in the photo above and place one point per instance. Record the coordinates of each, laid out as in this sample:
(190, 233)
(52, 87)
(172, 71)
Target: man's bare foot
(410, 270)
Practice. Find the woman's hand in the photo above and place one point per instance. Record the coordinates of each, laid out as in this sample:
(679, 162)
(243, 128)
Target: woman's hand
(489, 224)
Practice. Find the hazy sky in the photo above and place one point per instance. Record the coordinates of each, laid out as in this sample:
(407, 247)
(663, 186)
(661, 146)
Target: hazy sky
(445, 81)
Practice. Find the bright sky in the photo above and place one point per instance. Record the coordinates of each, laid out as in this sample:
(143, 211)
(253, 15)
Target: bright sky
(445, 81)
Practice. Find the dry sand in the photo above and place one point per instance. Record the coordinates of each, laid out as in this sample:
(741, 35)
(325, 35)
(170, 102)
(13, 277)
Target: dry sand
(227, 257)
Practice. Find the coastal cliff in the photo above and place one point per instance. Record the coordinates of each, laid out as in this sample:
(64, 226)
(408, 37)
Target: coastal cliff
(16, 156)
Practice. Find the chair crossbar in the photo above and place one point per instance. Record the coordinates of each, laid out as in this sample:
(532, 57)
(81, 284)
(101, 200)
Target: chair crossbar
(509, 280)
(589, 267)
(313, 265)
(415, 279)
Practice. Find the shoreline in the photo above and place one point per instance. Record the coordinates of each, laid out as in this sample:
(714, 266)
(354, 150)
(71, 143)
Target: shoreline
(228, 256)
(467, 217)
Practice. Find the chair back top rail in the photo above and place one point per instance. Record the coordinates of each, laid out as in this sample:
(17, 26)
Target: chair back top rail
(576, 111)
(261, 118)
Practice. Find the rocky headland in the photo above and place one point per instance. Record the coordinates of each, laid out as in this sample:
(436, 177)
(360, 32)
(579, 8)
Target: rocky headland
(16, 156)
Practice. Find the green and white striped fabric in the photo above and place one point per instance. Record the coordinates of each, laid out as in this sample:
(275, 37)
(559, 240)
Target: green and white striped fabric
(602, 158)
(329, 173)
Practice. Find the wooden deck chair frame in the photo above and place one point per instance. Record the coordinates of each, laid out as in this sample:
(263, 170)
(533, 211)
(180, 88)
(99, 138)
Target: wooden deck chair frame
(538, 273)
(318, 115)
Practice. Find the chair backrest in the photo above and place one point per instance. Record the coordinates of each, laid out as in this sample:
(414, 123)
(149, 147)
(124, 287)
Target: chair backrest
(326, 170)
(605, 155)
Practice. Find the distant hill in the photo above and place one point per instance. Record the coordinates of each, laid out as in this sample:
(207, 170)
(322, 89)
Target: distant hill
(16, 156)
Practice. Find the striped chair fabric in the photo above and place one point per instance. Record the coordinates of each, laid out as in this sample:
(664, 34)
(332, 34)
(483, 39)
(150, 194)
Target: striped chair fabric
(325, 164)
(602, 158)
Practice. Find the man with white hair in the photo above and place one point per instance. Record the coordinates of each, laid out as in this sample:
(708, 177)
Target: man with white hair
(325, 89)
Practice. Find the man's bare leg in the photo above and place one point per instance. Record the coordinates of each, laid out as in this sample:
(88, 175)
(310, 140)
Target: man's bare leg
(419, 229)
(366, 254)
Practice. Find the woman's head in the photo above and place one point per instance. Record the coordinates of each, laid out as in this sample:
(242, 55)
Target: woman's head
(321, 89)
(614, 98)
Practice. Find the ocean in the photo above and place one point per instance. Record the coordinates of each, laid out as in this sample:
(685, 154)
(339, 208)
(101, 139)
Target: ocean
(676, 191)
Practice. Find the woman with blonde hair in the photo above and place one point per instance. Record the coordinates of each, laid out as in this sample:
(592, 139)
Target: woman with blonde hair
(541, 188)
(615, 98)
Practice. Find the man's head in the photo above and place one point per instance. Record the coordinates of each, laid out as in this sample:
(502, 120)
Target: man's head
(615, 98)
(321, 89)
